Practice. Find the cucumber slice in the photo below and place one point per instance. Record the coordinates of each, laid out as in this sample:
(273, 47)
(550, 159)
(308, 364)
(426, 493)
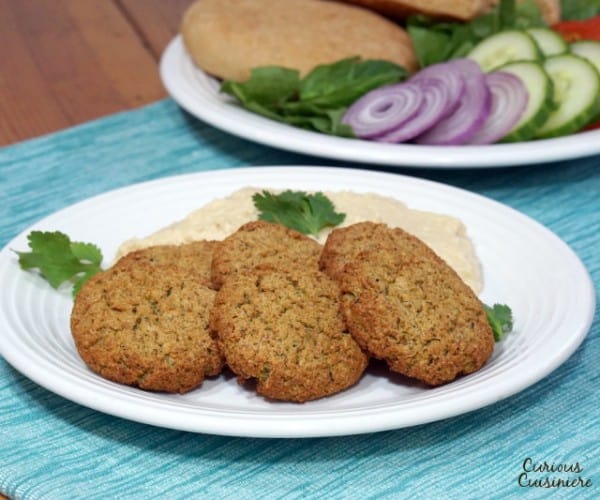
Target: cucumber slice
(549, 42)
(588, 49)
(504, 47)
(576, 94)
(540, 103)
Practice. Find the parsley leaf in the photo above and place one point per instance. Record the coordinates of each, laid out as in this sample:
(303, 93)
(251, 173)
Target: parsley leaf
(59, 259)
(500, 319)
(307, 213)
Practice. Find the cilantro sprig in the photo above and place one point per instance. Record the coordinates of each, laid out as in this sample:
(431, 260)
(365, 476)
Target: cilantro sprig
(500, 319)
(59, 259)
(307, 213)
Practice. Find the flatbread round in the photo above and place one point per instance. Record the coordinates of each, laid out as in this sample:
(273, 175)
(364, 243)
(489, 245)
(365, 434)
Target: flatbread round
(227, 38)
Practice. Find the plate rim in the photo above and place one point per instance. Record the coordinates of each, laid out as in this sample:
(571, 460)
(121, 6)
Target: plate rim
(297, 426)
(241, 123)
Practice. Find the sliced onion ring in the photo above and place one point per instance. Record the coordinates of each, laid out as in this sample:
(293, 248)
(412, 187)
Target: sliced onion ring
(447, 73)
(472, 111)
(509, 100)
(384, 109)
(434, 108)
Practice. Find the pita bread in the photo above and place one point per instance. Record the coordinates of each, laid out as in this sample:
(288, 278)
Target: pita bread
(463, 10)
(226, 38)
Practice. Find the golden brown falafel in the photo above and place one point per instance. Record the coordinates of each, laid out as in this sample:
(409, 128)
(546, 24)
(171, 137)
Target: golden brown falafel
(263, 246)
(286, 331)
(146, 325)
(405, 305)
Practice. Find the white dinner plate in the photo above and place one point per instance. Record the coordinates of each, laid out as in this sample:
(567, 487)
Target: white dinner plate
(199, 94)
(524, 265)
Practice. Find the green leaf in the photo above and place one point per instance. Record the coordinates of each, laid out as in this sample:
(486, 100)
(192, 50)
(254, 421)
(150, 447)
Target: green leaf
(59, 260)
(269, 86)
(341, 83)
(307, 213)
(436, 42)
(319, 100)
(500, 319)
(579, 9)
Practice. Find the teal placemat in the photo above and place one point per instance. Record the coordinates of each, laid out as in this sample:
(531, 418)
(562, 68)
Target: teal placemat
(52, 448)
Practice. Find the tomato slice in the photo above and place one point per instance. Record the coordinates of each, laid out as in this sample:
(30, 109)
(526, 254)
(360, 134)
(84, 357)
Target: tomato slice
(593, 126)
(573, 31)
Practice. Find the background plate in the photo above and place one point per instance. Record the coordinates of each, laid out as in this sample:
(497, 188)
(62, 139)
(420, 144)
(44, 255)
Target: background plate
(199, 94)
(524, 265)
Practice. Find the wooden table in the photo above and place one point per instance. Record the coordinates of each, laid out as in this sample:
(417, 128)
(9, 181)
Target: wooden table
(64, 62)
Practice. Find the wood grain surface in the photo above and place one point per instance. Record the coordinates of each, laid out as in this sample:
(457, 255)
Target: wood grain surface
(64, 62)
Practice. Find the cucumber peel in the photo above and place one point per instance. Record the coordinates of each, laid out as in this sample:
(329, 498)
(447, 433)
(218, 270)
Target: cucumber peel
(588, 49)
(504, 47)
(549, 41)
(576, 95)
(540, 103)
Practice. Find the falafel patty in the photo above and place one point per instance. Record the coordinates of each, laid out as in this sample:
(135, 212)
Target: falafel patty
(344, 244)
(285, 330)
(194, 257)
(405, 305)
(145, 324)
(262, 246)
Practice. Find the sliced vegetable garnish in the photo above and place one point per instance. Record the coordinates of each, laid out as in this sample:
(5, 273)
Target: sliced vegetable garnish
(385, 109)
(472, 112)
(504, 47)
(434, 108)
(449, 74)
(573, 31)
(437, 90)
(576, 90)
(549, 42)
(540, 101)
(588, 49)
(509, 101)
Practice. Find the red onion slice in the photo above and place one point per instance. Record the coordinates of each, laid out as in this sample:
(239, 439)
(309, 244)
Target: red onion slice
(509, 100)
(384, 109)
(434, 108)
(472, 111)
(447, 73)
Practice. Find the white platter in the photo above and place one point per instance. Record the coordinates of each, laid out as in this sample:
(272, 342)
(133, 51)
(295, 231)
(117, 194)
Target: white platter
(524, 265)
(198, 93)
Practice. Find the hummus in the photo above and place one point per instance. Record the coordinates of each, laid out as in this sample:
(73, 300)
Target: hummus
(218, 219)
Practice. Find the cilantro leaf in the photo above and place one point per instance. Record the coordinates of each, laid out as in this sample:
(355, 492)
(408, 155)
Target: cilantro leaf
(307, 213)
(500, 319)
(59, 259)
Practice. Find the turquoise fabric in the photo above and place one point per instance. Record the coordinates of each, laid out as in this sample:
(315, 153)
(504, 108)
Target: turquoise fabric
(52, 448)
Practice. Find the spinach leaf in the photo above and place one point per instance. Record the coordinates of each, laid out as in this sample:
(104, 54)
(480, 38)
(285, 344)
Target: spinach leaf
(319, 100)
(436, 42)
(579, 9)
(341, 83)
